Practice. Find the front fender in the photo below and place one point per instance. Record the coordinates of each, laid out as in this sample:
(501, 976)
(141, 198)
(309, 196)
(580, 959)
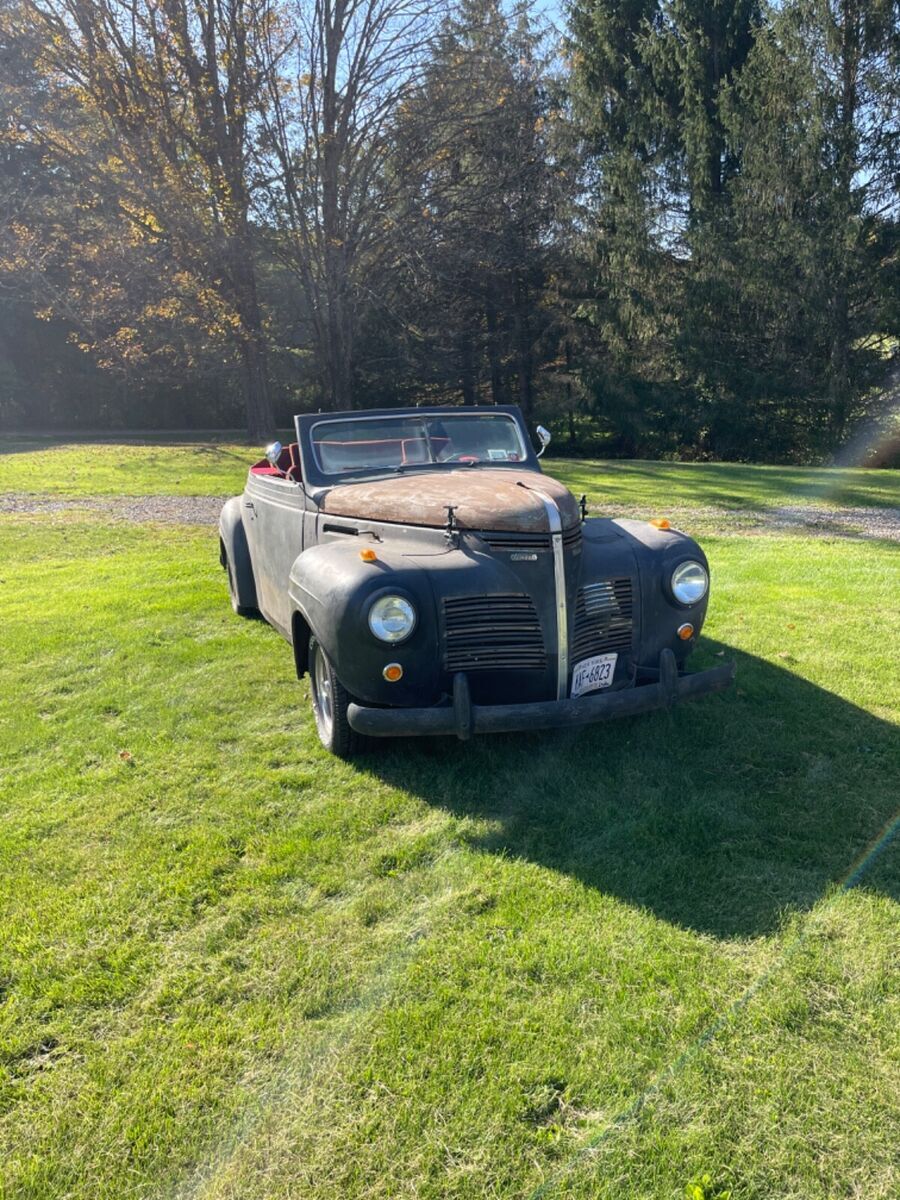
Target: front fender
(332, 588)
(657, 552)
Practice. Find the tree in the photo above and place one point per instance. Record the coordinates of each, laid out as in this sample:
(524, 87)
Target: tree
(648, 81)
(480, 194)
(164, 93)
(327, 133)
(800, 311)
(743, 169)
(855, 46)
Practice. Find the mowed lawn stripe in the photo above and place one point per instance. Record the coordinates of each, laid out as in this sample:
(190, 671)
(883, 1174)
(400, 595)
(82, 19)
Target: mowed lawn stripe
(233, 966)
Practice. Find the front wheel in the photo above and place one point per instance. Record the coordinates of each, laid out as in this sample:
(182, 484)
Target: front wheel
(330, 700)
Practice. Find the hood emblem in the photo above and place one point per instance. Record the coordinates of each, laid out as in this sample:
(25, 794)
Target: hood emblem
(520, 557)
(451, 526)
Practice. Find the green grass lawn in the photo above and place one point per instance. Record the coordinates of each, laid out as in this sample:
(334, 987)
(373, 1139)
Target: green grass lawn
(104, 469)
(618, 963)
(214, 468)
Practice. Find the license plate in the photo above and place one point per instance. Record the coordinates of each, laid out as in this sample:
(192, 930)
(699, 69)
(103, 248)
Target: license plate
(593, 673)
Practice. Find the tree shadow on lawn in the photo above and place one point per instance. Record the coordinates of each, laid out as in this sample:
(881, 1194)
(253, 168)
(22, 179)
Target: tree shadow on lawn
(216, 442)
(721, 816)
(16, 444)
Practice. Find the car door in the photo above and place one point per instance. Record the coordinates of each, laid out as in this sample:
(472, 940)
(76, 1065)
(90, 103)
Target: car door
(274, 511)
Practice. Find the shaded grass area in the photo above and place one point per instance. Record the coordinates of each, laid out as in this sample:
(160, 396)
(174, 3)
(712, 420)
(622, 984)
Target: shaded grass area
(212, 468)
(231, 966)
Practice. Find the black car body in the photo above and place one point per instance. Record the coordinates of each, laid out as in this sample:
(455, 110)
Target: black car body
(432, 579)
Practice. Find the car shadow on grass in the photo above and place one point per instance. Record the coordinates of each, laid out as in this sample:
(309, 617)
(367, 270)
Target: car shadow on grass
(722, 815)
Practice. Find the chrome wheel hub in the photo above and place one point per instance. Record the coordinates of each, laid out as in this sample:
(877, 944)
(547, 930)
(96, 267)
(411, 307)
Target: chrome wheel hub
(323, 697)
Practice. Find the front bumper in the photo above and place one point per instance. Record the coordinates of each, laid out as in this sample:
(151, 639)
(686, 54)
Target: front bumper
(465, 718)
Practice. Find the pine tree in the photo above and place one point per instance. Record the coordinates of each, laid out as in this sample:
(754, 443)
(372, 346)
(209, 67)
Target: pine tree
(480, 197)
(649, 80)
(813, 253)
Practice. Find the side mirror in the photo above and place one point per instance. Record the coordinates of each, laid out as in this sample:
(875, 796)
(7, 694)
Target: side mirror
(543, 438)
(273, 453)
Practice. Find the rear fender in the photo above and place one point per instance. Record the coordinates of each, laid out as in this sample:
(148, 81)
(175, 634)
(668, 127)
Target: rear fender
(233, 544)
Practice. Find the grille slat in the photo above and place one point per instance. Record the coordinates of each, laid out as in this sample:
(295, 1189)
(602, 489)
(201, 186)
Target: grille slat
(489, 633)
(604, 619)
(509, 541)
(572, 539)
(516, 541)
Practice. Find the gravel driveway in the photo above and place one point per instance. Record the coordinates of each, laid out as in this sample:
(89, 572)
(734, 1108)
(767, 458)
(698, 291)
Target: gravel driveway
(810, 518)
(173, 510)
(204, 510)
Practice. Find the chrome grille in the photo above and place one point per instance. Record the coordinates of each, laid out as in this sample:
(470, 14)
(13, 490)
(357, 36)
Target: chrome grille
(572, 538)
(490, 633)
(516, 541)
(508, 541)
(603, 618)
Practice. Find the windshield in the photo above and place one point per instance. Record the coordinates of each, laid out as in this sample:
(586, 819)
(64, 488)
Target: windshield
(396, 443)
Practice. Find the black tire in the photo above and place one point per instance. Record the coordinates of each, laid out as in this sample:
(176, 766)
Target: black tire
(242, 610)
(330, 700)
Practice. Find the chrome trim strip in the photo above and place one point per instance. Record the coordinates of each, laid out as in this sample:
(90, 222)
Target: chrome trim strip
(559, 577)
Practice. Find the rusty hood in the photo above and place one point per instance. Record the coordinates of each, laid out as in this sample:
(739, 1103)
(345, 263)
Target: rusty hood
(483, 498)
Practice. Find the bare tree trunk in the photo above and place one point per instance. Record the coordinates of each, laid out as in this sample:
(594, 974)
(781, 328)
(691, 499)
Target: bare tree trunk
(333, 231)
(493, 354)
(260, 422)
(338, 350)
(839, 382)
(570, 404)
(257, 403)
(524, 354)
(467, 370)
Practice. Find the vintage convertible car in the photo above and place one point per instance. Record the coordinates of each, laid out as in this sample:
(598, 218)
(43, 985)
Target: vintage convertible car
(433, 580)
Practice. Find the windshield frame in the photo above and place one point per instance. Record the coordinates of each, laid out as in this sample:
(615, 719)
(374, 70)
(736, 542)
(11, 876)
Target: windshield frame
(314, 473)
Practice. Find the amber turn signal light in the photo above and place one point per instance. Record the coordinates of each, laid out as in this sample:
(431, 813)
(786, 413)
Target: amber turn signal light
(660, 522)
(392, 672)
(368, 555)
(685, 631)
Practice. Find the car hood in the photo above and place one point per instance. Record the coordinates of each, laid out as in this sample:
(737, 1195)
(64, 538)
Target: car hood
(483, 498)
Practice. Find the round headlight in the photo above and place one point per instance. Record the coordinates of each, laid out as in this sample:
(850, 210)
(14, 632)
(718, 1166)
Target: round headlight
(391, 618)
(689, 582)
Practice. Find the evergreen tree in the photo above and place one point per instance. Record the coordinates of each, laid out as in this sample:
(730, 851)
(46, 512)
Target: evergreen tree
(800, 313)
(649, 80)
(744, 167)
(480, 196)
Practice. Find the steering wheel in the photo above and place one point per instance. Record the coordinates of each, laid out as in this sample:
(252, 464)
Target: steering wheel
(458, 456)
